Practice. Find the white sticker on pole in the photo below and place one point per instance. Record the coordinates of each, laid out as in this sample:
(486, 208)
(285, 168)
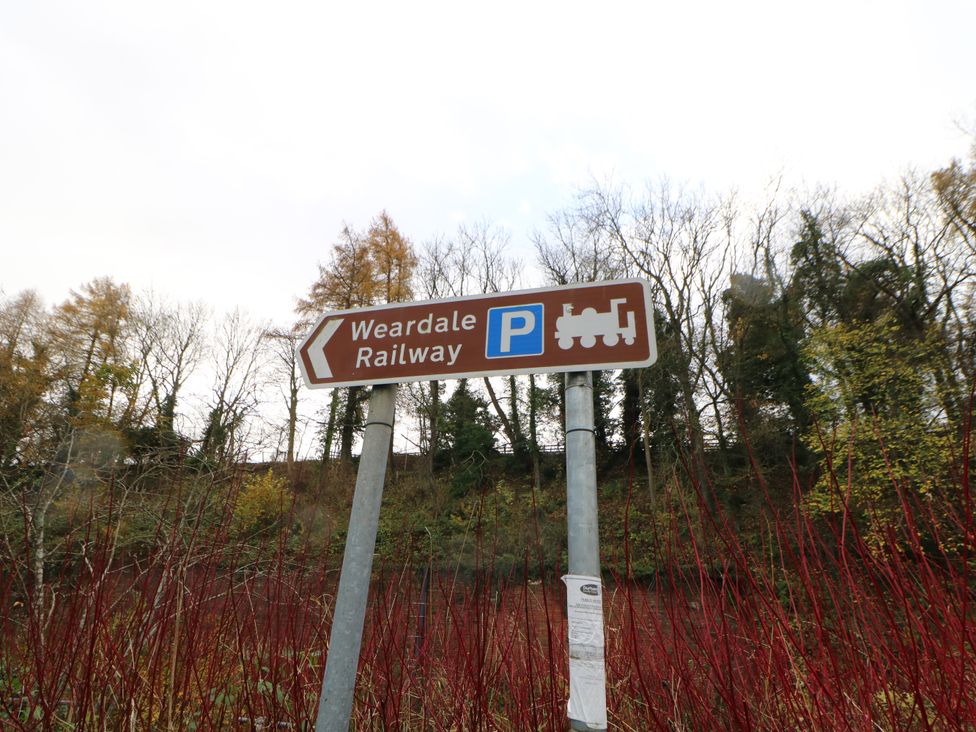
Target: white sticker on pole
(587, 678)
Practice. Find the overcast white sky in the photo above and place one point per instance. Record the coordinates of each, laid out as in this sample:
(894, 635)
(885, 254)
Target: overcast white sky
(212, 150)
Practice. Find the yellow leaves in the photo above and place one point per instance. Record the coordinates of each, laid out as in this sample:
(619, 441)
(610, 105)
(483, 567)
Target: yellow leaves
(89, 333)
(393, 259)
(92, 321)
(262, 502)
(365, 269)
(956, 189)
(350, 282)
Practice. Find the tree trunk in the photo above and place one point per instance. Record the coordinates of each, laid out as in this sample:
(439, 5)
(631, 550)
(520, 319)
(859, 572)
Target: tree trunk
(292, 422)
(533, 434)
(601, 412)
(518, 446)
(349, 424)
(506, 425)
(630, 411)
(434, 416)
(330, 427)
(646, 436)
(38, 524)
(561, 402)
(697, 445)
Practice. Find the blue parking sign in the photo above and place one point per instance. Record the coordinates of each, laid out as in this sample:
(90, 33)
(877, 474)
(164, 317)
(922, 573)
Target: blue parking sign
(515, 331)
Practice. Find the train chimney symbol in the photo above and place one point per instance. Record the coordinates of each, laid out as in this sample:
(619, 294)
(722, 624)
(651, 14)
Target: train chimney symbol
(589, 324)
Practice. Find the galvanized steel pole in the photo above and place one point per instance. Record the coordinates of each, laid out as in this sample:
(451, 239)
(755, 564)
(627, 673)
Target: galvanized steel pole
(342, 662)
(581, 504)
(584, 536)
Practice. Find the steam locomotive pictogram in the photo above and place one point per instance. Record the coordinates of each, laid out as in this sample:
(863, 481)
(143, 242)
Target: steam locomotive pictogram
(589, 324)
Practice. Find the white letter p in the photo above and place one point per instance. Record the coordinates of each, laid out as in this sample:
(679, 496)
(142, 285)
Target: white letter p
(528, 325)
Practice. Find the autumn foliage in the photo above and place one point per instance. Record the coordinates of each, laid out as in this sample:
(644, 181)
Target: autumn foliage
(786, 513)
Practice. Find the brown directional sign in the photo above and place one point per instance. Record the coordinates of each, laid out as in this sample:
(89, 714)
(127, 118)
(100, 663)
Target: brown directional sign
(591, 326)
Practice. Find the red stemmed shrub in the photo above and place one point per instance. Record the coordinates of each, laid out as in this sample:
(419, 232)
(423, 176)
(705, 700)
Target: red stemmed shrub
(204, 626)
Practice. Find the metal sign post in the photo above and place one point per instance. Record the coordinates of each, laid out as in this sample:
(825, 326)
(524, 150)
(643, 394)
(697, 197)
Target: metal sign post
(345, 639)
(568, 329)
(584, 589)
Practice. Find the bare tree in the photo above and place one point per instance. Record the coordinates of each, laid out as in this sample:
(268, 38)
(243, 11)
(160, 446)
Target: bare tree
(171, 344)
(491, 269)
(676, 241)
(284, 344)
(238, 362)
(571, 250)
(439, 267)
(918, 264)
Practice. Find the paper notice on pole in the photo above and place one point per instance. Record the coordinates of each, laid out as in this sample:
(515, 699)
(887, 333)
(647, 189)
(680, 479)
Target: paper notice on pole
(587, 678)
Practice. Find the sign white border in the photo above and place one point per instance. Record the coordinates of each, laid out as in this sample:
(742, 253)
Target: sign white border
(603, 366)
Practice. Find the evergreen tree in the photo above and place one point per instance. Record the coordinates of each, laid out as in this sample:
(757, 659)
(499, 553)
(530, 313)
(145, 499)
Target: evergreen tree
(468, 433)
(762, 363)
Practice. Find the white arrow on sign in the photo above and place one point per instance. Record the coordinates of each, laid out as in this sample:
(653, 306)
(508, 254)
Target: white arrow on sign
(316, 349)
